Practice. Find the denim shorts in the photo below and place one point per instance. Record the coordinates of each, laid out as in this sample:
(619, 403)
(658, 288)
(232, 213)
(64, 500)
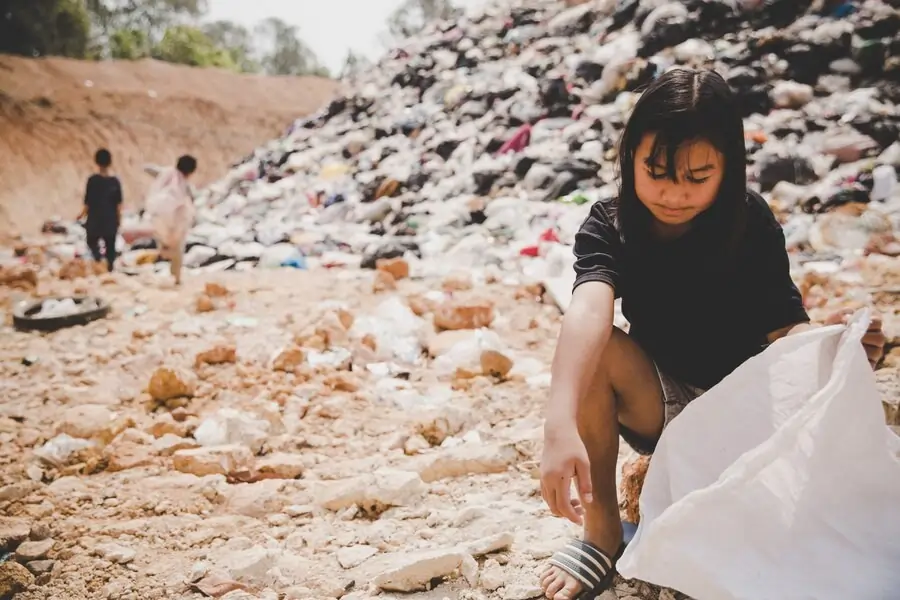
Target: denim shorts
(676, 395)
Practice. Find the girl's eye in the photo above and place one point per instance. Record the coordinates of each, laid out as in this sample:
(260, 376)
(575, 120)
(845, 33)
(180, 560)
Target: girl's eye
(658, 173)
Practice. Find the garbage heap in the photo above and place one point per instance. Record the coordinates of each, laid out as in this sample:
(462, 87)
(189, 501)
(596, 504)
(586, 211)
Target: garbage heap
(484, 141)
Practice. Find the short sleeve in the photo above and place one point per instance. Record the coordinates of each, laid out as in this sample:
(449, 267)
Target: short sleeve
(597, 249)
(778, 302)
(117, 191)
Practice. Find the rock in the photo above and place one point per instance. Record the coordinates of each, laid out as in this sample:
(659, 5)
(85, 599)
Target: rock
(633, 474)
(28, 551)
(468, 459)
(115, 553)
(289, 359)
(488, 545)
(39, 567)
(354, 556)
(457, 282)
(39, 532)
(397, 267)
(17, 491)
(384, 282)
(14, 578)
(373, 493)
(12, 531)
(125, 455)
(518, 591)
(216, 290)
(216, 460)
(233, 427)
(168, 384)
(342, 382)
(495, 364)
(165, 424)
(20, 277)
(414, 571)
(455, 315)
(204, 304)
(170, 443)
(442, 342)
(87, 421)
(280, 466)
(220, 355)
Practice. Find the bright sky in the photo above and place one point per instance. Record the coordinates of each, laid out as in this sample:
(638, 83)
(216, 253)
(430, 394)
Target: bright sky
(329, 27)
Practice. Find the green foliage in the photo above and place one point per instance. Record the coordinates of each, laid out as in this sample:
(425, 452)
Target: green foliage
(44, 27)
(168, 30)
(129, 44)
(411, 16)
(287, 54)
(187, 45)
(237, 41)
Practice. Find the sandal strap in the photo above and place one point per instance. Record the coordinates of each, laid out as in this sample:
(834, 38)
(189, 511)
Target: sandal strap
(585, 562)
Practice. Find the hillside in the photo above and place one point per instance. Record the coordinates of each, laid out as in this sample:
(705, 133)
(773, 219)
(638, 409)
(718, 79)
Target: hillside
(55, 112)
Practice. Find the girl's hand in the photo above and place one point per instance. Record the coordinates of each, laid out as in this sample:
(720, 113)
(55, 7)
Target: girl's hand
(874, 339)
(565, 458)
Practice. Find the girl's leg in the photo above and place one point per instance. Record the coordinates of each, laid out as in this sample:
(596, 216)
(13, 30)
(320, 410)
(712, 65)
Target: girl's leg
(626, 390)
(175, 264)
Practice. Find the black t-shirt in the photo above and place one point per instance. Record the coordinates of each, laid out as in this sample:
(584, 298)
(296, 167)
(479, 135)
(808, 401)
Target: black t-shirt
(698, 317)
(102, 198)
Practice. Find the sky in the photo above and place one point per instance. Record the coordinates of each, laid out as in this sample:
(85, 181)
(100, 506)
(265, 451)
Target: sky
(329, 27)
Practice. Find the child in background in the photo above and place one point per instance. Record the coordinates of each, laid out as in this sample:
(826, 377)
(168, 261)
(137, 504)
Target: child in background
(103, 209)
(170, 211)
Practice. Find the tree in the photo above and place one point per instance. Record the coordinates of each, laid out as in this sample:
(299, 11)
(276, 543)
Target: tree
(354, 64)
(129, 44)
(187, 45)
(44, 27)
(286, 53)
(237, 41)
(412, 16)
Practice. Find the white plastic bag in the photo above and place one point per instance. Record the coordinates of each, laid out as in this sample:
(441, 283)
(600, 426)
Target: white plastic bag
(781, 483)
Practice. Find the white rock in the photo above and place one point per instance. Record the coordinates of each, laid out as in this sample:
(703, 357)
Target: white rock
(467, 459)
(413, 571)
(216, 460)
(353, 556)
(115, 553)
(382, 489)
(230, 426)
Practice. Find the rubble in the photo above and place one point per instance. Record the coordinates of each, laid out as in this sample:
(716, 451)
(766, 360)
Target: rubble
(169, 384)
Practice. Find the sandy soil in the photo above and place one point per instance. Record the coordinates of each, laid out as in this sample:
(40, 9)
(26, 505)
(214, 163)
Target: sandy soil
(54, 113)
(339, 480)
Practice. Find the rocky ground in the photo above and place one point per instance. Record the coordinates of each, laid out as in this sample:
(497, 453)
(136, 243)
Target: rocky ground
(266, 435)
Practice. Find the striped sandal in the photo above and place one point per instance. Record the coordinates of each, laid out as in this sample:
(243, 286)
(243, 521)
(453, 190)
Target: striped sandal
(589, 565)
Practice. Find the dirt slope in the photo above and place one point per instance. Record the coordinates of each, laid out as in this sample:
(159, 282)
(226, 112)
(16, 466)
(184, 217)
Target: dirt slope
(55, 112)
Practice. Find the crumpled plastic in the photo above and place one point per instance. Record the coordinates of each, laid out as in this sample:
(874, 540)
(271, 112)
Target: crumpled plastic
(783, 481)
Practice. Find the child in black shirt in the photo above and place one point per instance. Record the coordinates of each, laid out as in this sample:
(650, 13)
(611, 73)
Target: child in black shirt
(103, 209)
(701, 267)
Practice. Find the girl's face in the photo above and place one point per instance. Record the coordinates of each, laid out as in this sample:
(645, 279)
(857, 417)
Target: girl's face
(699, 169)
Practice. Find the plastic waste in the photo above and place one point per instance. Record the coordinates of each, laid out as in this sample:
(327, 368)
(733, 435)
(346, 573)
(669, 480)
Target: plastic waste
(59, 449)
(466, 354)
(781, 481)
(398, 332)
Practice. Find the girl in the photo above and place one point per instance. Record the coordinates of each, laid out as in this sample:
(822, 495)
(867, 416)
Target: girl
(701, 266)
(170, 210)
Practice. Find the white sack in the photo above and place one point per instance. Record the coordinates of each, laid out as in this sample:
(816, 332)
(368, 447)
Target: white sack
(781, 483)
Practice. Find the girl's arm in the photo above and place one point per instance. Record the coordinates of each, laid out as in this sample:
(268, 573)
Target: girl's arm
(586, 329)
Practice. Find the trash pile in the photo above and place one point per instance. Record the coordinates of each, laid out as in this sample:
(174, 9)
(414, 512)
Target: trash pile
(485, 141)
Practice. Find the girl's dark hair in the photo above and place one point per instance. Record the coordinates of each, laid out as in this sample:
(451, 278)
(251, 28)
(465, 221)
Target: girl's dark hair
(187, 164)
(681, 106)
(103, 158)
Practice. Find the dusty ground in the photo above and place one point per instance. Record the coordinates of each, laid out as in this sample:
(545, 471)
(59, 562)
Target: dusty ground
(334, 479)
(54, 113)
